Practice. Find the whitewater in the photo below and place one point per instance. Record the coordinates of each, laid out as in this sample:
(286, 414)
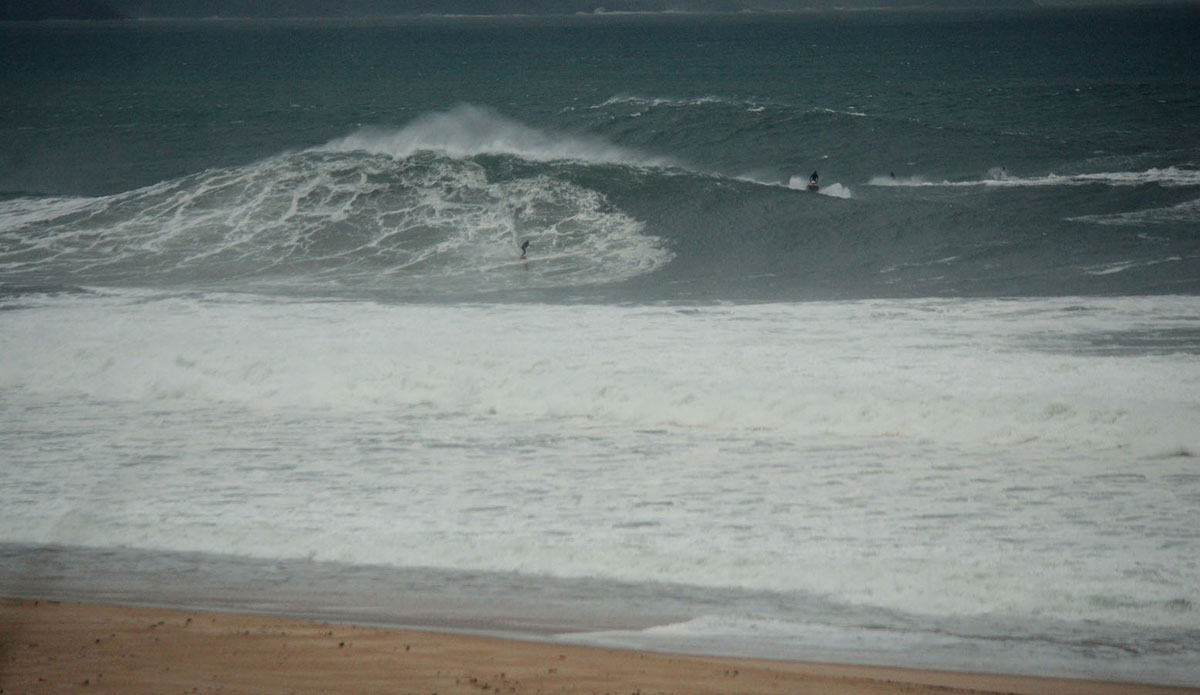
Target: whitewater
(267, 342)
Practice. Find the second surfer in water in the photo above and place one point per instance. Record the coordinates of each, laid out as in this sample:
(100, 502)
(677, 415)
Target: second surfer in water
(524, 248)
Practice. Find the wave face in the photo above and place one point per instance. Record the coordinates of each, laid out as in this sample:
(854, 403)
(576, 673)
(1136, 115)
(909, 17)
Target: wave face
(422, 210)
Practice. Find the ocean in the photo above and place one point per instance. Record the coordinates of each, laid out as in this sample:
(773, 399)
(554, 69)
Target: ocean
(267, 342)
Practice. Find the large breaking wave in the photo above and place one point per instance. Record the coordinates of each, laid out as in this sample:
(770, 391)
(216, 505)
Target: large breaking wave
(438, 206)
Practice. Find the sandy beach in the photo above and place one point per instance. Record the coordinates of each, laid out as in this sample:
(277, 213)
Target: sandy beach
(51, 647)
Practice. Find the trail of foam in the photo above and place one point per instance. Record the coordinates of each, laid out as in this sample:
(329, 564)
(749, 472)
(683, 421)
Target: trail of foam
(751, 105)
(841, 112)
(656, 102)
(1169, 176)
(1186, 212)
(1122, 266)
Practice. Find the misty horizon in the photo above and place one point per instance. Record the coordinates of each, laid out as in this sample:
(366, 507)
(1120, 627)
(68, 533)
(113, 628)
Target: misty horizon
(152, 9)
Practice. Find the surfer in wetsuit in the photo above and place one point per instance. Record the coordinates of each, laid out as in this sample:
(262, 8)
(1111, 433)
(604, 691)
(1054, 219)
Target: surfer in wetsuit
(812, 180)
(524, 247)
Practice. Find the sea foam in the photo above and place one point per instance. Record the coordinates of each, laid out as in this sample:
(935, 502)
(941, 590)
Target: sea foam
(468, 130)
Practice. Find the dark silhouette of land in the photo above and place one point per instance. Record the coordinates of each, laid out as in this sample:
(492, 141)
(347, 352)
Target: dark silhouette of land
(36, 10)
(27, 10)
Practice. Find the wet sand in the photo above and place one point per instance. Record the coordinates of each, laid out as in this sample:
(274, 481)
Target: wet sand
(53, 647)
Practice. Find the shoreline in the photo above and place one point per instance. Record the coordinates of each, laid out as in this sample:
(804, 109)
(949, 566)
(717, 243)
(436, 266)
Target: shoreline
(51, 646)
(599, 613)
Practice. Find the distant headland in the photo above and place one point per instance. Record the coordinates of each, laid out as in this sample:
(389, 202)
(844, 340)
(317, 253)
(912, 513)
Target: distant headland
(38, 10)
(34, 10)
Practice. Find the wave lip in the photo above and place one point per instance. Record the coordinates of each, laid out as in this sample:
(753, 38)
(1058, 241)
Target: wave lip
(468, 130)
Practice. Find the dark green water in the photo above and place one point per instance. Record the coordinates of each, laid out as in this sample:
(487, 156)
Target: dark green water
(980, 154)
